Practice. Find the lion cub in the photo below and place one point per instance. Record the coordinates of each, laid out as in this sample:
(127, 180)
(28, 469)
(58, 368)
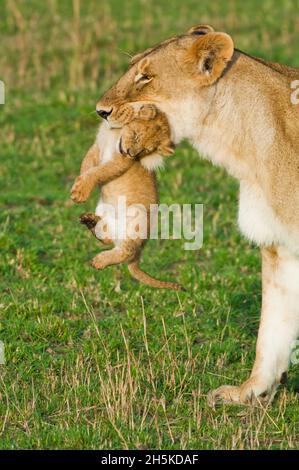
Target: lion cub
(113, 162)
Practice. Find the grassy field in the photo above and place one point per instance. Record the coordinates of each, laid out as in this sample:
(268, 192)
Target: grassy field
(93, 359)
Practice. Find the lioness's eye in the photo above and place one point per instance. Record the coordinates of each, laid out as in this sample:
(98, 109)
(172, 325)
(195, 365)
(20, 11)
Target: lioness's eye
(143, 79)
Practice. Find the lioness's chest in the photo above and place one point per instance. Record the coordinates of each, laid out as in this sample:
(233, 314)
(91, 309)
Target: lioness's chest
(259, 223)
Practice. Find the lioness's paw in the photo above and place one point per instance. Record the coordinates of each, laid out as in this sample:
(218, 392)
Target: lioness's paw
(224, 394)
(81, 189)
(251, 392)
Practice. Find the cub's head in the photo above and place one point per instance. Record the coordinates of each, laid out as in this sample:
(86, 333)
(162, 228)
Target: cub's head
(171, 75)
(147, 133)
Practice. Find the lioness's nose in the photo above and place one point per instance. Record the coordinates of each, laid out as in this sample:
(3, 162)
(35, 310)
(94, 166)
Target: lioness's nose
(104, 114)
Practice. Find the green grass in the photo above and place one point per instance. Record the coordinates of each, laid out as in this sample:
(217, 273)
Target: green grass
(93, 359)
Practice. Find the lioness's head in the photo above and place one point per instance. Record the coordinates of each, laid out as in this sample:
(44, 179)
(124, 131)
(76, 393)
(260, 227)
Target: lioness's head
(170, 75)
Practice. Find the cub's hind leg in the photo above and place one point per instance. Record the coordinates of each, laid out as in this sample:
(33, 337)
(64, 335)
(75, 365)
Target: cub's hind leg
(125, 252)
(91, 221)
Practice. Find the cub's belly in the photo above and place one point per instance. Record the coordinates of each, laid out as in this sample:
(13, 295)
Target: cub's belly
(137, 185)
(126, 202)
(259, 223)
(120, 222)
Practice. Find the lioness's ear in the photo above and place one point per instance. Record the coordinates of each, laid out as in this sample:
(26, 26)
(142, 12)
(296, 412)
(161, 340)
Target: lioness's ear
(200, 29)
(143, 66)
(143, 75)
(209, 55)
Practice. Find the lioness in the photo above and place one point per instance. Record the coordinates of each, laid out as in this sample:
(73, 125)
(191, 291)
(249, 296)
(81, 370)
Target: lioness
(147, 135)
(237, 112)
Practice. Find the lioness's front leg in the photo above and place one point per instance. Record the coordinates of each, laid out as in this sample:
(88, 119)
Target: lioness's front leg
(279, 328)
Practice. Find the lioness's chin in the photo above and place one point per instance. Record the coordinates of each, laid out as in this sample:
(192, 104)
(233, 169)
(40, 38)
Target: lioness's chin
(113, 125)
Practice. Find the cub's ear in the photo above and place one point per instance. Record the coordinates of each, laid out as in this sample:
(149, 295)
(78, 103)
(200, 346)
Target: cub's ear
(200, 29)
(209, 55)
(147, 112)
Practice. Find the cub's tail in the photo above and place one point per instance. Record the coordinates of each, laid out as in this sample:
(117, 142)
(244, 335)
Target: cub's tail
(145, 278)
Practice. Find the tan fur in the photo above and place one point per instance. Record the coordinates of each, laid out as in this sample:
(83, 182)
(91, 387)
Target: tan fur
(123, 176)
(237, 111)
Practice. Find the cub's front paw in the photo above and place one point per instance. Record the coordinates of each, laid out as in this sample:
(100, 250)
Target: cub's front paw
(81, 189)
